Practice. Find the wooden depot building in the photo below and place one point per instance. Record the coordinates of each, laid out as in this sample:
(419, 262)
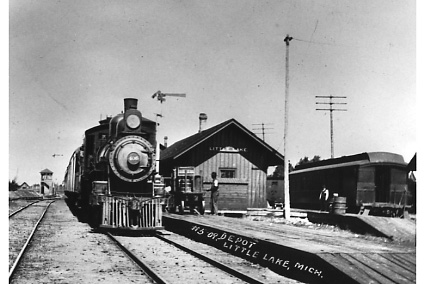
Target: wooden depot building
(237, 155)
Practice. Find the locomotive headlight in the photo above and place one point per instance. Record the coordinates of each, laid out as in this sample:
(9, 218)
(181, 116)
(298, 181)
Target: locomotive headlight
(133, 158)
(133, 121)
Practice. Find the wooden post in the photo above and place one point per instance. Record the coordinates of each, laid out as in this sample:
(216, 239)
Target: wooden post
(285, 135)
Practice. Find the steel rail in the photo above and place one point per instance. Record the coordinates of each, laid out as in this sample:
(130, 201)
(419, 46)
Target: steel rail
(25, 207)
(144, 266)
(213, 262)
(24, 248)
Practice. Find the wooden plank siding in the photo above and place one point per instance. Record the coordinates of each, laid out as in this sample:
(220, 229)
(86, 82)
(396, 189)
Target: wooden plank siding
(248, 188)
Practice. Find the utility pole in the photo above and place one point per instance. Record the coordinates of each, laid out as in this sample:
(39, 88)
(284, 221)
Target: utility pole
(285, 134)
(262, 128)
(331, 109)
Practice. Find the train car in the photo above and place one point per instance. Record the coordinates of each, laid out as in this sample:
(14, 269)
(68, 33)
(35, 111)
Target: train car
(111, 176)
(72, 179)
(375, 182)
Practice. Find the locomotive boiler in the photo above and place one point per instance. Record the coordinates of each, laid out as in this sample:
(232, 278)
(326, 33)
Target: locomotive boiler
(111, 176)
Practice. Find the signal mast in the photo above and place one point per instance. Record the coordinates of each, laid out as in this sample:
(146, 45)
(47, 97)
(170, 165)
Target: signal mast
(161, 97)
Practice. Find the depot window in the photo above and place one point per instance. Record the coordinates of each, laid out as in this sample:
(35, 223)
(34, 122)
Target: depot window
(228, 173)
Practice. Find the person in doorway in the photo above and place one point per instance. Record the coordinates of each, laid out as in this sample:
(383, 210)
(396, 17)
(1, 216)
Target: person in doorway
(214, 194)
(324, 195)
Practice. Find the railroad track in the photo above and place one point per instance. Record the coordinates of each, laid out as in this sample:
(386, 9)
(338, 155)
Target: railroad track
(23, 224)
(167, 261)
(22, 208)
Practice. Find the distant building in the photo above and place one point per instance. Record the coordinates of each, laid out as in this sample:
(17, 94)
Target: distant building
(46, 182)
(412, 164)
(23, 186)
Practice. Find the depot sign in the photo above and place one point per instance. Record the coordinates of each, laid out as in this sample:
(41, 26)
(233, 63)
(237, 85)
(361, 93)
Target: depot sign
(227, 149)
(286, 261)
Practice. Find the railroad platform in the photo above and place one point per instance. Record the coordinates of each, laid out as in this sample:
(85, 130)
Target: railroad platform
(397, 229)
(307, 255)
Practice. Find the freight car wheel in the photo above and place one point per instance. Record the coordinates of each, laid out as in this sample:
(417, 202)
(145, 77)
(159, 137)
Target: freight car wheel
(201, 209)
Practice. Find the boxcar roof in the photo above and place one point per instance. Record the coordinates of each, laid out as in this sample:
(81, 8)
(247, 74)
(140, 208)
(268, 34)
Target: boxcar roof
(186, 144)
(371, 158)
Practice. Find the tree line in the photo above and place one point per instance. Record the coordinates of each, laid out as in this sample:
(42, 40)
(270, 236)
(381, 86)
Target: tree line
(279, 171)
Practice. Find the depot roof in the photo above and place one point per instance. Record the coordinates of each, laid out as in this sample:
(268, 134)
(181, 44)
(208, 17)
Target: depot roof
(185, 145)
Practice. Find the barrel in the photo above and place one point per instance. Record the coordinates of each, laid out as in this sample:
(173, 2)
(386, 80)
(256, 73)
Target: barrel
(339, 205)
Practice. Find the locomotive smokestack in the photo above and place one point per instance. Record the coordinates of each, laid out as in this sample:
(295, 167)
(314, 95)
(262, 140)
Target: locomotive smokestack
(130, 103)
(202, 121)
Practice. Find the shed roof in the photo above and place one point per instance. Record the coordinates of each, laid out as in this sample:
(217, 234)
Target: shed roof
(366, 158)
(184, 145)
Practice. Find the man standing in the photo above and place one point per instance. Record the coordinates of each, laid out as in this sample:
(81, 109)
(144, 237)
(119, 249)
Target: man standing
(324, 195)
(214, 194)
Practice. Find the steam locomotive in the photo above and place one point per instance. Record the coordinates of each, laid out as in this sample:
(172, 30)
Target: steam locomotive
(111, 176)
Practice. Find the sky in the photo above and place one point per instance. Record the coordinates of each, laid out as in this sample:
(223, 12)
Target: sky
(71, 63)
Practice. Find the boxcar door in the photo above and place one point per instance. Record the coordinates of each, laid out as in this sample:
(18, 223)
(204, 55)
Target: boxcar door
(382, 184)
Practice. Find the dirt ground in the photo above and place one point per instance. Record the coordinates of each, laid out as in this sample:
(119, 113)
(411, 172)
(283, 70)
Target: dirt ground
(67, 251)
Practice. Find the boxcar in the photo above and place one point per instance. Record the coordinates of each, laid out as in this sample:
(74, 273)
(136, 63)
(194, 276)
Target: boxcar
(375, 180)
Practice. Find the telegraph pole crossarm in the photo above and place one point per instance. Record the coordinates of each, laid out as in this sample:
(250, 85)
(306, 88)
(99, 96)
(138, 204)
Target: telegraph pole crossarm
(331, 109)
(262, 129)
